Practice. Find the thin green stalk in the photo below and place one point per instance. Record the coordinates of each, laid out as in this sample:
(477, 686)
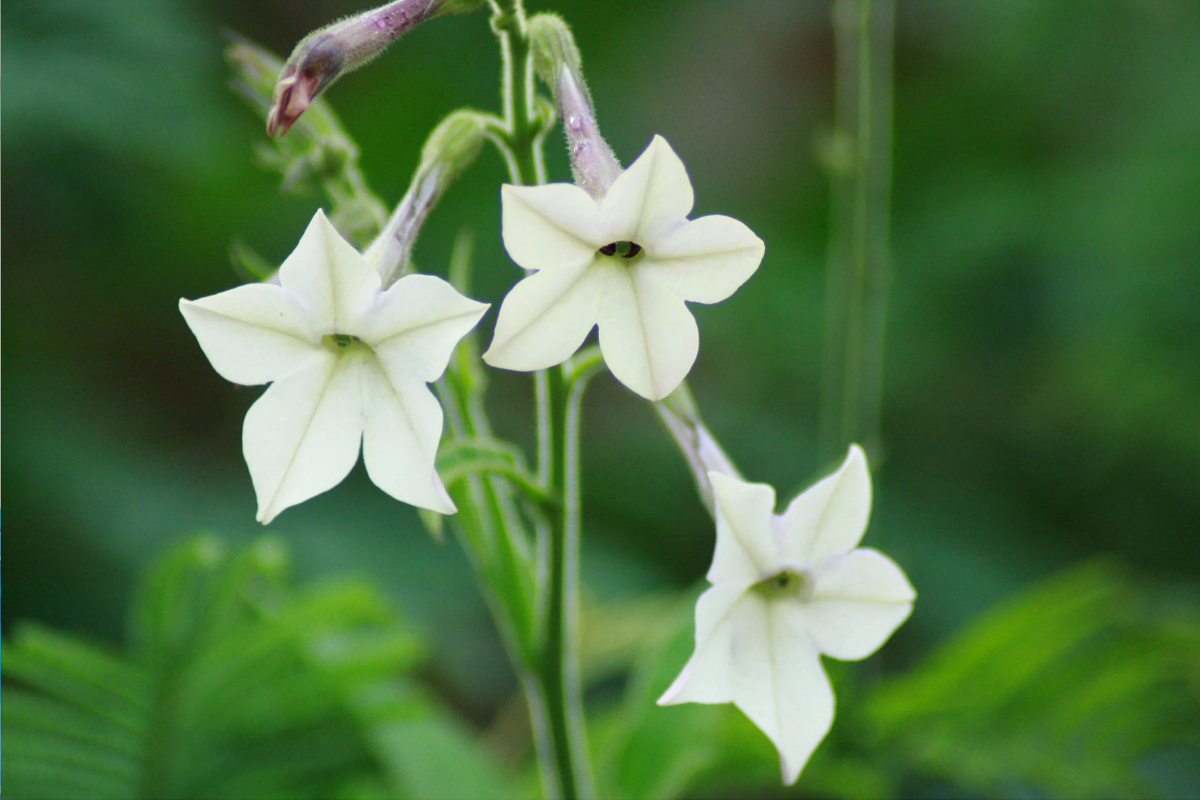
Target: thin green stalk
(562, 682)
(521, 145)
(558, 694)
(490, 533)
(568, 593)
(859, 271)
(479, 522)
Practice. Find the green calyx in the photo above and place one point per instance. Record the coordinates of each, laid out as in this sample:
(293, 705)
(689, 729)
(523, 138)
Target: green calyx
(786, 584)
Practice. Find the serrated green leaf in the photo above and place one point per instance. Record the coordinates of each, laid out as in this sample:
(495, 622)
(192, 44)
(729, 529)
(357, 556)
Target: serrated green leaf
(34, 746)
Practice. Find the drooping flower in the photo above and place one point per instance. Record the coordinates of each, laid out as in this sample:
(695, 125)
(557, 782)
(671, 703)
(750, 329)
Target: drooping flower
(787, 589)
(347, 363)
(626, 263)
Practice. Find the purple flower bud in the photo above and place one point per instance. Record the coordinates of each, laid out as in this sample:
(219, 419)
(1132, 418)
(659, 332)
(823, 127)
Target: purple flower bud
(330, 52)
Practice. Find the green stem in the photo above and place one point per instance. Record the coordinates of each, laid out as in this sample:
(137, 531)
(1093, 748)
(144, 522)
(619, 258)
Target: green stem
(521, 145)
(488, 524)
(567, 594)
(557, 694)
(859, 271)
(562, 683)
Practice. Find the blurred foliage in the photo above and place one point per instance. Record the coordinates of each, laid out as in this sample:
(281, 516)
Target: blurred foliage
(1064, 688)
(89, 70)
(237, 685)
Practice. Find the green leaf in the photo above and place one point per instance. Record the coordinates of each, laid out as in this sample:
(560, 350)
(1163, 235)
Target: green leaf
(238, 685)
(41, 714)
(1064, 688)
(434, 757)
(460, 458)
(79, 674)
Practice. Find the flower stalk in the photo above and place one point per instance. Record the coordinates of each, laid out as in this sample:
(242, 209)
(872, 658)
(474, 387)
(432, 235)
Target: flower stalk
(450, 149)
(679, 414)
(552, 688)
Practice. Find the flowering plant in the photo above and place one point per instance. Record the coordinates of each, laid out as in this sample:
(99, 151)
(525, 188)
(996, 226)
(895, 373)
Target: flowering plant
(350, 340)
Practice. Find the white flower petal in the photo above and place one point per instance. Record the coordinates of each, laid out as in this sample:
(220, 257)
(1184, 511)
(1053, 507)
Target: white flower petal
(828, 519)
(417, 322)
(331, 280)
(705, 678)
(403, 427)
(779, 683)
(544, 227)
(302, 436)
(858, 602)
(546, 317)
(745, 552)
(252, 334)
(649, 199)
(648, 336)
(705, 260)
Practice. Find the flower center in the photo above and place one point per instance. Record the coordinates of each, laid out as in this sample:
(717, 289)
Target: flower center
(788, 583)
(622, 249)
(341, 342)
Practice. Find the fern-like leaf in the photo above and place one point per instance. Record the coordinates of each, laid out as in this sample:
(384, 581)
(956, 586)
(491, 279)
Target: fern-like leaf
(236, 686)
(1064, 690)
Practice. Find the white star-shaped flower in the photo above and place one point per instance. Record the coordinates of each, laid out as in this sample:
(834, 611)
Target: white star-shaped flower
(785, 590)
(627, 264)
(347, 363)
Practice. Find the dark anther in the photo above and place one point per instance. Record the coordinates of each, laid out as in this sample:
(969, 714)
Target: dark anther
(623, 249)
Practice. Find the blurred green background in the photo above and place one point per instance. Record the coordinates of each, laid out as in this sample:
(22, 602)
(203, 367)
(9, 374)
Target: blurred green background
(1042, 389)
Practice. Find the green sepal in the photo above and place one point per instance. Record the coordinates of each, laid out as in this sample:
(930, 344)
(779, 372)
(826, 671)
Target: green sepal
(553, 47)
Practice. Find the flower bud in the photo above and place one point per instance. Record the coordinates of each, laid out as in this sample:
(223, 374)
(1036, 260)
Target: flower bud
(330, 52)
(556, 59)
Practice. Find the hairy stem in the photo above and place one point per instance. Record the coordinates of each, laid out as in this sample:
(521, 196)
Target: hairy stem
(555, 702)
